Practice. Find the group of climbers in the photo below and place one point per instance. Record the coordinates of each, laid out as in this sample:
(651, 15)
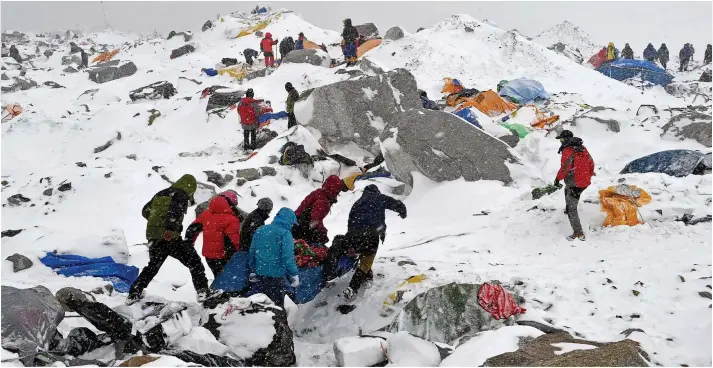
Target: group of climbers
(288, 44)
(661, 55)
(250, 110)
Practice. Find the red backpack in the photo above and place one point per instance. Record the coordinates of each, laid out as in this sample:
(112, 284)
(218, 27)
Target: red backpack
(266, 45)
(246, 110)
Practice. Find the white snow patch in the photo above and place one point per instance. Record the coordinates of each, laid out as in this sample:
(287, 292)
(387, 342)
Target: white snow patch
(406, 350)
(369, 93)
(376, 121)
(566, 347)
(486, 344)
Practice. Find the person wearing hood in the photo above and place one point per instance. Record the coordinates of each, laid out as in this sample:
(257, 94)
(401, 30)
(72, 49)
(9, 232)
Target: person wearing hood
(684, 57)
(349, 40)
(366, 226)
(287, 45)
(611, 52)
(254, 221)
(249, 54)
(314, 208)
(272, 257)
(650, 53)
(15, 54)
(266, 48)
(662, 55)
(249, 110)
(576, 169)
(707, 55)
(627, 52)
(300, 44)
(292, 96)
(220, 226)
(164, 214)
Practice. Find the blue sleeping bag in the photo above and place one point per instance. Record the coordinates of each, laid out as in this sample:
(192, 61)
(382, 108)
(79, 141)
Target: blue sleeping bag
(524, 90)
(120, 275)
(677, 163)
(235, 278)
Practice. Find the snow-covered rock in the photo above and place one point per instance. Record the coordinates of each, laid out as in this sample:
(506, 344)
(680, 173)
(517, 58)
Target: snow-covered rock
(309, 56)
(406, 350)
(477, 349)
(367, 30)
(360, 351)
(111, 70)
(394, 33)
(690, 125)
(572, 38)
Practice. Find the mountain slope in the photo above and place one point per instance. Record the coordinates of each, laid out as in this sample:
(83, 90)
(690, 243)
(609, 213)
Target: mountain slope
(570, 35)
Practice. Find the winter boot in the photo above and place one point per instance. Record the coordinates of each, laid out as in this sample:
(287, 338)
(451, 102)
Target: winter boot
(576, 236)
(349, 295)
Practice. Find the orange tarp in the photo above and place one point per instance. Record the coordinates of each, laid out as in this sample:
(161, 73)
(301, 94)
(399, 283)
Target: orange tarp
(106, 56)
(366, 46)
(309, 45)
(622, 209)
(490, 103)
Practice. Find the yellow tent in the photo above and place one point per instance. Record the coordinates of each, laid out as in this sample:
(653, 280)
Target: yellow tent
(236, 71)
(366, 46)
(621, 204)
(253, 29)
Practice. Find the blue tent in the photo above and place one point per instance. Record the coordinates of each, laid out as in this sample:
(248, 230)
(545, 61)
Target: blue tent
(120, 275)
(262, 10)
(524, 90)
(674, 162)
(469, 116)
(626, 68)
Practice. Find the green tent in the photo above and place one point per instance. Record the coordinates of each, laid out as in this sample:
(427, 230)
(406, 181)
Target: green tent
(520, 129)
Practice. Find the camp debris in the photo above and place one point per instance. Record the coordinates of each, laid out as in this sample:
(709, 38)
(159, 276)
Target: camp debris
(538, 193)
(489, 103)
(120, 275)
(236, 71)
(398, 294)
(105, 56)
(154, 114)
(626, 69)
(367, 46)
(527, 116)
(468, 115)
(10, 111)
(522, 91)
(154, 91)
(677, 163)
(621, 204)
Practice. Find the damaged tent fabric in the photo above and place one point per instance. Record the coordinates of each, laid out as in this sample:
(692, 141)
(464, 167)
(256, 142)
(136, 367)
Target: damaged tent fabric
(523, 91)
(120, 275)
(677, 163)
(625, 68)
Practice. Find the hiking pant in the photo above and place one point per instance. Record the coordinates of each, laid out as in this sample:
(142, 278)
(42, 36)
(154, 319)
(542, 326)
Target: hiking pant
(273, 287)
(249, 60)
(216, 265)
(365, 243)
(249, 138)
(571, 200)
(663, 63)
(291, 120)
(269, 59)
(350, 50)
(182, 251)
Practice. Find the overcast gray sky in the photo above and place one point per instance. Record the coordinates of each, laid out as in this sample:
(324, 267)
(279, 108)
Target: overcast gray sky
(638, 23)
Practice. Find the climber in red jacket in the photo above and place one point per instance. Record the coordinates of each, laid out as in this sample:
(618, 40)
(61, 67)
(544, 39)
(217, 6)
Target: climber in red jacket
(266, 48)
(576, 169)
(314, 208)
(221, 230)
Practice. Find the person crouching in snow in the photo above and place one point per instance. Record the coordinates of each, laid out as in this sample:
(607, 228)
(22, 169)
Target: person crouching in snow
(314, 208)
(254, 221)
(221, 230)
(577, 169)
(164, 215)
(249, 110)
(266, 48)
(272, 257)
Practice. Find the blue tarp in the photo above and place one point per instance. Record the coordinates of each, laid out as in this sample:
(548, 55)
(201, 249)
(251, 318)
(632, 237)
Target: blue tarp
(524, 90)
(626, 68)
(235, 275)
(120, 275)
(674, 162)
(262, 10)
(278, 115)
(468, 116)
(210, 72)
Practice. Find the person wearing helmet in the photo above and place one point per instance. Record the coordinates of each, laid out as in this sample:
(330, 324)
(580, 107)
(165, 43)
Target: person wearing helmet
(300, 44)
(576, 169)
(253, 221)
(249, 110)
(266, 48)
(220, 226)
(292, 96)
(349, 39)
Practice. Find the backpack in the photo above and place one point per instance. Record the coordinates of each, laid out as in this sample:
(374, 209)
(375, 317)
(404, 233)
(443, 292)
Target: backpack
(248, 113)
(293, 153)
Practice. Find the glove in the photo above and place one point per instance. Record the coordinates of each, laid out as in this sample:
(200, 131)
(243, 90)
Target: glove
(402, 215)
(295, 281)
(557, 183)
(253, 278)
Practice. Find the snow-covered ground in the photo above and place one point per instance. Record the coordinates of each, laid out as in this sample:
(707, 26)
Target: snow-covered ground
(582, 286)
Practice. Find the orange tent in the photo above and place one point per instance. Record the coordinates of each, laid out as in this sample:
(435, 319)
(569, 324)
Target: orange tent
(366, 46)
(106, 56)
(490, 103)
(622, 206)
(451, 87)
(310, 45)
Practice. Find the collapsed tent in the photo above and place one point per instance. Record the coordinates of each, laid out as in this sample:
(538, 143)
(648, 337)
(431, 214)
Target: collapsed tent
(120, 275)
(10, 111)
(468, 115)
(236, 71)
(677, 163)
(105, 56)
(626, 68)
(367, 46)
(523, 91)
(489, 103)
(597, 59)
(530, 115)
(621, 203)
(451, 85)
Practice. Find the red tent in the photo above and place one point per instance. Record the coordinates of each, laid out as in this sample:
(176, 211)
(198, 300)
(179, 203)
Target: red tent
(599, 58)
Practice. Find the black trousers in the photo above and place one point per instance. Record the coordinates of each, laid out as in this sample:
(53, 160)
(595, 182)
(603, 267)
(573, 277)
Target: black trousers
(362, 244)
(274, 288)
(249, 139)
(291, 120)
(183, 252)
(216, 265)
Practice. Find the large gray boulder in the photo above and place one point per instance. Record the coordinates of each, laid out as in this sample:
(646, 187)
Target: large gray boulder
(72, 59)
(308, 56)
(368, 30)
(691, 125)
(394, 33)
(19, 84)
(111, 70)
(154, 91)
(437, 144)
(19, 262)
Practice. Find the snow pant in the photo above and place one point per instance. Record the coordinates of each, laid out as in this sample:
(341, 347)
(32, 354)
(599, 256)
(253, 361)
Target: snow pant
(291, 120)
(216, 265)
(273, 287)
(350, 52)
(663, 63)
(684, 64)
(183, 252)
(365, 244)
(571, 200)
(249, 139)
(269, 59)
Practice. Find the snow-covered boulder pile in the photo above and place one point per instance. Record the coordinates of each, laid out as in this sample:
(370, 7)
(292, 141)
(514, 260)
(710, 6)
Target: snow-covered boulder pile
(72, 59)
(398, 349)
(308, 56)
(394, 33)
(19, 84)
(573, 54)
(153, 91)
(694, 92)
(602, 115)
(111, 70)
(575, 43)
(690, 125)
(367, 30)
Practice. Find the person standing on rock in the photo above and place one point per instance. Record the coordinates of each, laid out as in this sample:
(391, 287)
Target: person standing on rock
(220, 226)
(650, 53)
(254, 221)
(366, 225)
(164, 214)
(249, 54)
(576, 169)
(300, 44)
(349, 39)
(249, 111)
(272, 257)
(707, 55)
(314, 208)
(266, 48)
(627, 52)
(662, 55)
(292, 97)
